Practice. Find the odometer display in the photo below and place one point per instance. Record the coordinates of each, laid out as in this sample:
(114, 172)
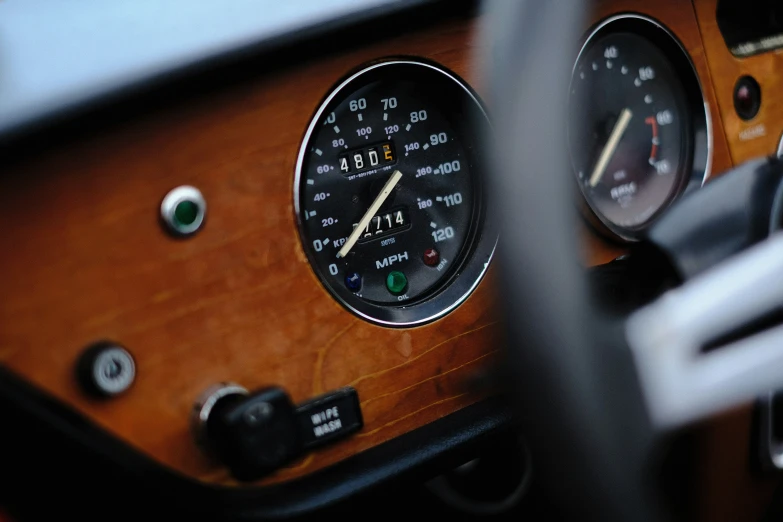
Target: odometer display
(394, 150)
(367, 158)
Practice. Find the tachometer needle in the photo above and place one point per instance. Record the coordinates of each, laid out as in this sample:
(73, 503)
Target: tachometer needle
(611, 146)
(354, 237)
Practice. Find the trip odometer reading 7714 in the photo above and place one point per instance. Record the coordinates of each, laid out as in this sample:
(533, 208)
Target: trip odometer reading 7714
(388, 193)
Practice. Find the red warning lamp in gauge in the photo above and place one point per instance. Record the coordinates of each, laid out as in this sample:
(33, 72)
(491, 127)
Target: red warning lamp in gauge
(431, 257)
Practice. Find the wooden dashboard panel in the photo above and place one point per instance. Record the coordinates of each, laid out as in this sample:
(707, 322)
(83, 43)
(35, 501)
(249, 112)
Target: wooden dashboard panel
(86, 260)
(759, 136)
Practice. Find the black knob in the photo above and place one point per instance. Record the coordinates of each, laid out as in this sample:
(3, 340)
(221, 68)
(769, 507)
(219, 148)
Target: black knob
(254, 434)
(105, 369)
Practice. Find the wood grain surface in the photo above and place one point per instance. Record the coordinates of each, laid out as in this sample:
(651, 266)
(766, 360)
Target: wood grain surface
(85, 259)
(759, 136)
(728, 489)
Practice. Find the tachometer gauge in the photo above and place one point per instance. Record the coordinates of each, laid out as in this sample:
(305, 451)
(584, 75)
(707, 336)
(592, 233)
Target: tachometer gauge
(638, 130)
(388, 193)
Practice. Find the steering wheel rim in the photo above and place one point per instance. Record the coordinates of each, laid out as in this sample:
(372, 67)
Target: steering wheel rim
(574, 380)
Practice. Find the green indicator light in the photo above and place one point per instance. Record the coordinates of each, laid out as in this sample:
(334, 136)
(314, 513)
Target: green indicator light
(185, 213)
(396, 282)
(182, 210)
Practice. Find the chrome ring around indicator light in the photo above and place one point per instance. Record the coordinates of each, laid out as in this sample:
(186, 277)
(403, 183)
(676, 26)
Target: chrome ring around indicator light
(183, 210)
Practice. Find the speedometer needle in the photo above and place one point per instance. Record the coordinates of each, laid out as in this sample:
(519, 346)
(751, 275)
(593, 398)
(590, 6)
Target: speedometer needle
(611, 146)
(354, 237)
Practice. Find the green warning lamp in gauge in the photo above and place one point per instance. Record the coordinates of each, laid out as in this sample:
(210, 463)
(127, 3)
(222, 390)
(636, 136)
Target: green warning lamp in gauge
(396, 282)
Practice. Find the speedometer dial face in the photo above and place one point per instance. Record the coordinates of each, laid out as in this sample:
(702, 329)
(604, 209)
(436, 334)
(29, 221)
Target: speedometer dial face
(389, 196)
(632, 127)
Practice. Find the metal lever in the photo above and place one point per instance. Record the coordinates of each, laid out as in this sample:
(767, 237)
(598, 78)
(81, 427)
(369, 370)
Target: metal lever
(667, 338)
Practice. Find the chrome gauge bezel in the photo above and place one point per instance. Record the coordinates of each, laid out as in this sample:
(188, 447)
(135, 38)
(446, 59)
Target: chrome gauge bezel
(700, 125)
(479, 248)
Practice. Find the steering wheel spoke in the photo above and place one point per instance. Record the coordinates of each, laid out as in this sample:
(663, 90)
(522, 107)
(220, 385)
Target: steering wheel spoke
(682, 379)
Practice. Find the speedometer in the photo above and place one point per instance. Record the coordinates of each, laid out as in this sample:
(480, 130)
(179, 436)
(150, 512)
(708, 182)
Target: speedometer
(388, 193)
(638, 129)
